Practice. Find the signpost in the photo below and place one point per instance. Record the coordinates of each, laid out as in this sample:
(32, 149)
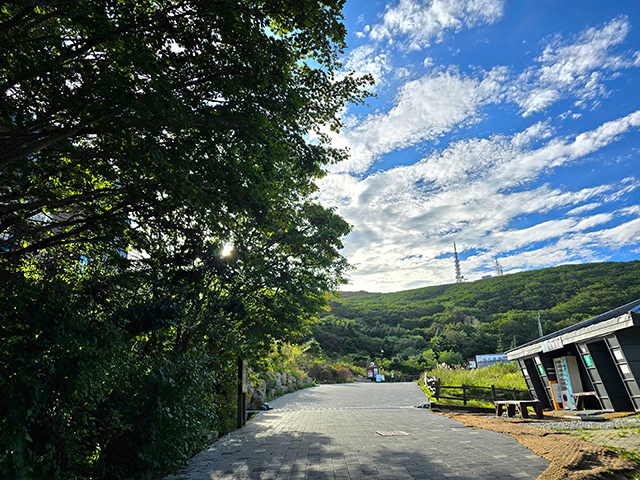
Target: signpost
(372, 371)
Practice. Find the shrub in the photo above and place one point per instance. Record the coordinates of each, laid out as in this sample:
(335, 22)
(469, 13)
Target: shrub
(314, 370)
(327, 373)
(342, 373)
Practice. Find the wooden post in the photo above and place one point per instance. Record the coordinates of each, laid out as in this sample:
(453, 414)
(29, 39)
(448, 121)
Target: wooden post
(438, 389)
(515, 397)
(241, 394)
(493, 393)
(464, 394)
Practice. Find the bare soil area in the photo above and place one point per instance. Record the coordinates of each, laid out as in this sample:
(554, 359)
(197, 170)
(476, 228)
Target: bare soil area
(570, 457)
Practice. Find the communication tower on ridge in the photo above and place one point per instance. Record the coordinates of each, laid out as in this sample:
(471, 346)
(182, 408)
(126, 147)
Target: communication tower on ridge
(499, 271)
(459, 277)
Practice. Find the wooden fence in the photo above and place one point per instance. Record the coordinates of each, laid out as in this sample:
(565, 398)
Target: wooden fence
(470, 392)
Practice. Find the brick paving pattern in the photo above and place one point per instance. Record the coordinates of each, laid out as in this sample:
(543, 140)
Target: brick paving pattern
(618, 432)
(627, 439)
(329, 432)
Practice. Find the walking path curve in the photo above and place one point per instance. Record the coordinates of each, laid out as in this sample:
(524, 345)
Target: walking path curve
(331, 432)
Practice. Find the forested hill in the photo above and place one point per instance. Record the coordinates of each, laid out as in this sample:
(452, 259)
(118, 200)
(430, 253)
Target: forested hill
(451, 322)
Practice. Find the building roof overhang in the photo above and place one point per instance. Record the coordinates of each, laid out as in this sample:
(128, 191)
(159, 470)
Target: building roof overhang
(600, 326)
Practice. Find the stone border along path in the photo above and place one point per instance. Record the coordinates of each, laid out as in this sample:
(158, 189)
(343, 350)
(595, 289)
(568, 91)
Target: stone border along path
(329, 432)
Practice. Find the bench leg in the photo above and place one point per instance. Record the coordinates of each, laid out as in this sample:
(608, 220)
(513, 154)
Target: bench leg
(524, 411)
(511, 410)
(538, 409)
(498, 410)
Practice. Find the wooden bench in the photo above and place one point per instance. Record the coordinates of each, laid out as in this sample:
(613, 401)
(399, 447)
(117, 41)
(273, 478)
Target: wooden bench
(522, 407)
(581, 399)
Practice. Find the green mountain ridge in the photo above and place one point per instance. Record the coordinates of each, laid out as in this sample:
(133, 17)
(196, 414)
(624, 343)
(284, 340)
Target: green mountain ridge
(448, 323)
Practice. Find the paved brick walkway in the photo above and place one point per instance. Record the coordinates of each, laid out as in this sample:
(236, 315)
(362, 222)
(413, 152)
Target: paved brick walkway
(330, 432)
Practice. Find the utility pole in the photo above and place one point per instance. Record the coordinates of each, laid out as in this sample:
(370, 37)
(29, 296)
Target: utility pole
(540, 326)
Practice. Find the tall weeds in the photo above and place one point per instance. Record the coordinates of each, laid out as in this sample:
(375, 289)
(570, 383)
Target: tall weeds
(501, 375)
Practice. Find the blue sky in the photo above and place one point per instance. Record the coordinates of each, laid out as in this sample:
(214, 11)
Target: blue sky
(511, 128)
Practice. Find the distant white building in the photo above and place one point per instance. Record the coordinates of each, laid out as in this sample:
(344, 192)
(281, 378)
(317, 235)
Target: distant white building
(489, 359)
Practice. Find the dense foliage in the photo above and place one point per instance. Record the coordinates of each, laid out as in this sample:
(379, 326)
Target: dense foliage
(449, 323)
(138, 140)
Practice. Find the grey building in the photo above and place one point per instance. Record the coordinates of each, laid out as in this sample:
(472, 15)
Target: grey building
(598, 358)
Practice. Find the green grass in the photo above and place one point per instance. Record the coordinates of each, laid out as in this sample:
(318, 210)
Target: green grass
(501, 375)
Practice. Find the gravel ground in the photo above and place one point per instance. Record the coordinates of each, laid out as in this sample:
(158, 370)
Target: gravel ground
(580, 424)
(571, 458)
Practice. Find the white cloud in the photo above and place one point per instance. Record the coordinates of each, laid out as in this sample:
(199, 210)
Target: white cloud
(424, 109)
(561, 252)
(577, 69)
(536, 100)
(634, 210)
(496, 194)
(401, 73)
(584, 208)
(627, 233)
(368, 59)
(479, 193)
(416, 23)
(629, 186)
(364, 31)
(440, 102)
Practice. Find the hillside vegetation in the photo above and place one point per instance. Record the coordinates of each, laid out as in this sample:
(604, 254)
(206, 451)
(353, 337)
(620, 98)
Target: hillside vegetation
(448, 323)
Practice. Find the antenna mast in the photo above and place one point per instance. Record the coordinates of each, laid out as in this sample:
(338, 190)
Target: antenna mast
(459, 277)
(499, 271)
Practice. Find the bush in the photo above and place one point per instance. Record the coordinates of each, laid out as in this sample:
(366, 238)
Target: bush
(330, 373)
(314, 370)
(342, 373)
(85, 400)
(356, 370)
(451, 358)
(327, 373)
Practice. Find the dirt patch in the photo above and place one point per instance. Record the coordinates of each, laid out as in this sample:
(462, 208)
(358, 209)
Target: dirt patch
(570, 457)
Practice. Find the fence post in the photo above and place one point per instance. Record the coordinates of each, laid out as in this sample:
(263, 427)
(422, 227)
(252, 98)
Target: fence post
(438, 389)
(493, 393)
(464, 394)
(514, 394)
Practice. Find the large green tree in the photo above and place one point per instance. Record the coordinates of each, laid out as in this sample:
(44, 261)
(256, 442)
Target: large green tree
(138, 139)
(119, 115)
